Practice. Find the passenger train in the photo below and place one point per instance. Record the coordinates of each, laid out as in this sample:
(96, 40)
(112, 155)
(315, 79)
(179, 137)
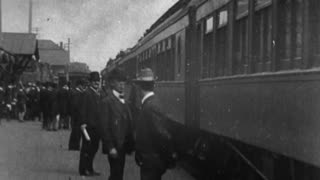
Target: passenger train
(245, 76)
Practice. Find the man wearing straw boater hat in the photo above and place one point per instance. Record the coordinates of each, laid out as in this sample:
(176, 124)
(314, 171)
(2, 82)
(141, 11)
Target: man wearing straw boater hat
(116, 124)
(90, 119)
(154, 145)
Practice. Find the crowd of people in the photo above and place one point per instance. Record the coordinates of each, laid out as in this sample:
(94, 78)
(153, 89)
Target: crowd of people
(123, 117)
(37, 102)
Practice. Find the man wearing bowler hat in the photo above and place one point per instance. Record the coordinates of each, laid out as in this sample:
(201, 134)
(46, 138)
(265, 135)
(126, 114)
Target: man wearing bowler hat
(154, 144)
(90, 114)
(116, 125)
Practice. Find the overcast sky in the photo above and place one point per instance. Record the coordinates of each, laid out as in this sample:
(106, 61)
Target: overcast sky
(98, 28)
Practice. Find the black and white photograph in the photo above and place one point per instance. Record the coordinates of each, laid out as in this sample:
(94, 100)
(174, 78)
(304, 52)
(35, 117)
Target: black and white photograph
(160, 89)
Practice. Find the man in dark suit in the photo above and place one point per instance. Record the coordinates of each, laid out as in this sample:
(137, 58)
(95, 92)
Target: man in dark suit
(90, 114)
(116, 125)
(63, 102)
(53, 106)
(48, 101)
(154, 144)
(76, 101)
(44, 104)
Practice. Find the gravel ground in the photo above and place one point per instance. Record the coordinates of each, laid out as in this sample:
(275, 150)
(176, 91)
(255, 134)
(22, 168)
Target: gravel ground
(29, 153)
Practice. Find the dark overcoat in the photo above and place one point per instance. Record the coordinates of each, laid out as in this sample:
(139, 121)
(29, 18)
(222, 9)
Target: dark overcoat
(154, 141)
(63, 101)
(76, 97)
(90, 109)
(75, 104)
(116, 125)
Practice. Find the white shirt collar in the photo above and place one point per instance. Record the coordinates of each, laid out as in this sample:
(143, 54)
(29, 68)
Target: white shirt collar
(117, 95)
(78, 89)
(94, 90)
(149, 94)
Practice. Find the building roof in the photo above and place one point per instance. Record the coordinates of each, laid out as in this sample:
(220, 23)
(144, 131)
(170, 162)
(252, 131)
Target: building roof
(79, 67)
(48, 44)
(52, 53)
(19, 43)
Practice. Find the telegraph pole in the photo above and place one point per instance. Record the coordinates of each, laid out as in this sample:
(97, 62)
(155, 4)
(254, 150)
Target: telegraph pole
(30, 16)
(69, 58)
(69, 43)
(0, 16)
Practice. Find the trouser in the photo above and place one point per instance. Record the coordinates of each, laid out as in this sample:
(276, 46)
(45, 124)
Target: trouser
(53, 121)
(45, 121)
(117, 166)
(75, 135)
(64, 121)
(88, 150)
(152, 168)
(21, 116)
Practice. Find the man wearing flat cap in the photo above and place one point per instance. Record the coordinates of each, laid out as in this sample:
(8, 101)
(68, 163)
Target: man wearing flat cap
(116, 125)
(90, 114)
(154, 144)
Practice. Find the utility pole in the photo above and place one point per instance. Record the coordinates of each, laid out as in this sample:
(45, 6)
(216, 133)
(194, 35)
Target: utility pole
(30, 16)
(69, 44)
(36, 30)
(69, 59)
(0, 16)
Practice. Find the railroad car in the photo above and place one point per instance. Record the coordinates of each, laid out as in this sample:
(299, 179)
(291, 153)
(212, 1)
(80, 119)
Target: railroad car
(244, 75)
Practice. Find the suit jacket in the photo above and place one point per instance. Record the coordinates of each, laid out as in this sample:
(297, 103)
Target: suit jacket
(152, 134)
(63, 101)
(48, 103)
(116, 125)
(75, 104)
(90, 108)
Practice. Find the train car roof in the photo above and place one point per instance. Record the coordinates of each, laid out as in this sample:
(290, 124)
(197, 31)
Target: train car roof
(174, 14)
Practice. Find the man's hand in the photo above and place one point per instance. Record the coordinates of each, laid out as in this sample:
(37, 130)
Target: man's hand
(83, 126)
(85, 132)
(113, 153)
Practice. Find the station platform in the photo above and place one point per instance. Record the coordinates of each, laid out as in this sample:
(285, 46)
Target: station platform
(29, 153)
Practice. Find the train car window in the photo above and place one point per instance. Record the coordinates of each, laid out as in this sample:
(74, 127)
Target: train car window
(241, 48)
(221, 44)
(179, 54)
(262, 3)
(286, 32)
(314, 26)
(159, 62)
(169, 44)
(207, 49)
(163, 46)
(298, 33)
(262, 40)
(165, 60)
(223, 18)
(154, 50)
(159, 48)
(149, 52)
(242, 8)
(209, 25)
(171, 57)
